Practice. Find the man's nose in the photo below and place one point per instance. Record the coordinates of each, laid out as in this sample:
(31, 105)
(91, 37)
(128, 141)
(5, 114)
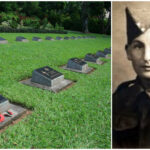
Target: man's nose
(147, 54)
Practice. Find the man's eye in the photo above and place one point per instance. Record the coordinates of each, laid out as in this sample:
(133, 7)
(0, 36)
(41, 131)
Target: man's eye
(138, 46)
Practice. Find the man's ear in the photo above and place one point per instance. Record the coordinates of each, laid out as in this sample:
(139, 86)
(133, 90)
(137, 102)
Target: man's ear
(127, 48)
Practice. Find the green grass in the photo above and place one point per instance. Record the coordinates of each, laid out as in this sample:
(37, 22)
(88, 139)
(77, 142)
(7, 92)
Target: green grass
(78, 117)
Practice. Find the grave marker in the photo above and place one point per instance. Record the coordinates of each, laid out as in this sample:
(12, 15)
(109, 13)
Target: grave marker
(100, 54)
(49, 38)
(9, 112)
(66, 38)
(3, 41)
(21, 39)
(73, 37)
(79, 37)
(93, 58)
(47, 76)
(36, 39)
(59, 38)
(77, 65)
(48, 79)
(4, 104)
(107, 51)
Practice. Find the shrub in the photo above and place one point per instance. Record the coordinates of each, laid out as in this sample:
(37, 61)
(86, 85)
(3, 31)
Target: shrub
(29, 30)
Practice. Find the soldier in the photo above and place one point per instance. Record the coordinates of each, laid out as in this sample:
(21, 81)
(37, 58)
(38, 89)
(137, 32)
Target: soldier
(131, 100)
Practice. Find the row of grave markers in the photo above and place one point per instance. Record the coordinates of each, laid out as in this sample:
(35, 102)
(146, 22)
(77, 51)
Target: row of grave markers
(49, 79)
(23, 39)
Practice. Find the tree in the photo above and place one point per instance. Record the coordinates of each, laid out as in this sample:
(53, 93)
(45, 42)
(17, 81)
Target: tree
(85, 14)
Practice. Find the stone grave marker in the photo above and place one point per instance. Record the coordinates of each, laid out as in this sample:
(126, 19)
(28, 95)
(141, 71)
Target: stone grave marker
(3, 41)
(36, 39)
(49, 38)
(107, 51)
(100, 54)
(79, 37)
(77, 65)
(9, 112)
(66, 38)
(21, 39)
(47, 78)
(93, 58)
(59, 38)
(4, 104)
(73, 38)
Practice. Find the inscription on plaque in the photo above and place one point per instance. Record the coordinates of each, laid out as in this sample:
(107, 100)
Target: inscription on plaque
(78, 64)
(47, 76)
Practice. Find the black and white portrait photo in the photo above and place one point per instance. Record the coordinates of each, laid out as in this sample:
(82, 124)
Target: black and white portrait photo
(131, 75)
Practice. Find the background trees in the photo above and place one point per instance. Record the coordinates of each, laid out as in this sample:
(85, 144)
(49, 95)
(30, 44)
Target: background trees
(79, 16)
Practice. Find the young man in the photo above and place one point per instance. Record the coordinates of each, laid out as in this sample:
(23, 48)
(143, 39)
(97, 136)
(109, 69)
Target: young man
(131, 100)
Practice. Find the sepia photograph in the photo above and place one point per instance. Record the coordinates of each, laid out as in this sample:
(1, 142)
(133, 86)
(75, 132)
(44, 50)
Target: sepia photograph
(131, 75)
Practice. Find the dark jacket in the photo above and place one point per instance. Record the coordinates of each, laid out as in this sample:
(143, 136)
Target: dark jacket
(131, 116)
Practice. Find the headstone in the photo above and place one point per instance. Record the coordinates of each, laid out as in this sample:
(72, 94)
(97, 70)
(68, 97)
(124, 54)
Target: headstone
(9, 112)
(59, 38)
(21, 39)
(93, 37)
(73, 37)
(100, 54)
(47, 76)
(78, 64)
(79, 37)
(107, 51)
(92, 58)
(36, 39)
(3, 41)
(48, 79)
(49, 38)
(4, 104)
(66, 38)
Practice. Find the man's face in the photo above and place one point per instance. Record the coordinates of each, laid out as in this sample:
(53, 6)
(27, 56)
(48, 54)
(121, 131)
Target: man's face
(139, 53)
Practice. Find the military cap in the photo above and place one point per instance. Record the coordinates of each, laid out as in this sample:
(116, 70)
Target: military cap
(137, 21)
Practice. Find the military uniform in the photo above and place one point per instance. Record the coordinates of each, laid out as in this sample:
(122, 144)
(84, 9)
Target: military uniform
(131, 116)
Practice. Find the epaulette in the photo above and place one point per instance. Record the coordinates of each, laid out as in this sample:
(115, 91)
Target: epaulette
(126, 85)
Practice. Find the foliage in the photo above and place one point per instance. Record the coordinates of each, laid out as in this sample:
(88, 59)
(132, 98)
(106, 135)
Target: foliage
(23, 29)
(78, 16)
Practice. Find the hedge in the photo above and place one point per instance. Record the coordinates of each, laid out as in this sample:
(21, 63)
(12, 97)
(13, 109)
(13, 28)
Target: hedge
(11, 30)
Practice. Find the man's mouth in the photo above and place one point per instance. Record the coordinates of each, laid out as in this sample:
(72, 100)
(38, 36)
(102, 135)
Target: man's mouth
(146, 67)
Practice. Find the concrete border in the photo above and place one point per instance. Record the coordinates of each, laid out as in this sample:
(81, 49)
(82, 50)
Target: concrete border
(89, 69)
(64, 84)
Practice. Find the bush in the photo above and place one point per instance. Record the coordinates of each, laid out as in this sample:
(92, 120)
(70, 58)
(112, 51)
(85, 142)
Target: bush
(29, 30)
(8, 16)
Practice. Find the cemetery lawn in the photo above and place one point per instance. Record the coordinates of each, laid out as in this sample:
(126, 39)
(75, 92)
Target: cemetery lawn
(79, 117)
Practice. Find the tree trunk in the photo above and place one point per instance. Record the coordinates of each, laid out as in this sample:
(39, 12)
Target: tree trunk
(108, 23)
(85, 17)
